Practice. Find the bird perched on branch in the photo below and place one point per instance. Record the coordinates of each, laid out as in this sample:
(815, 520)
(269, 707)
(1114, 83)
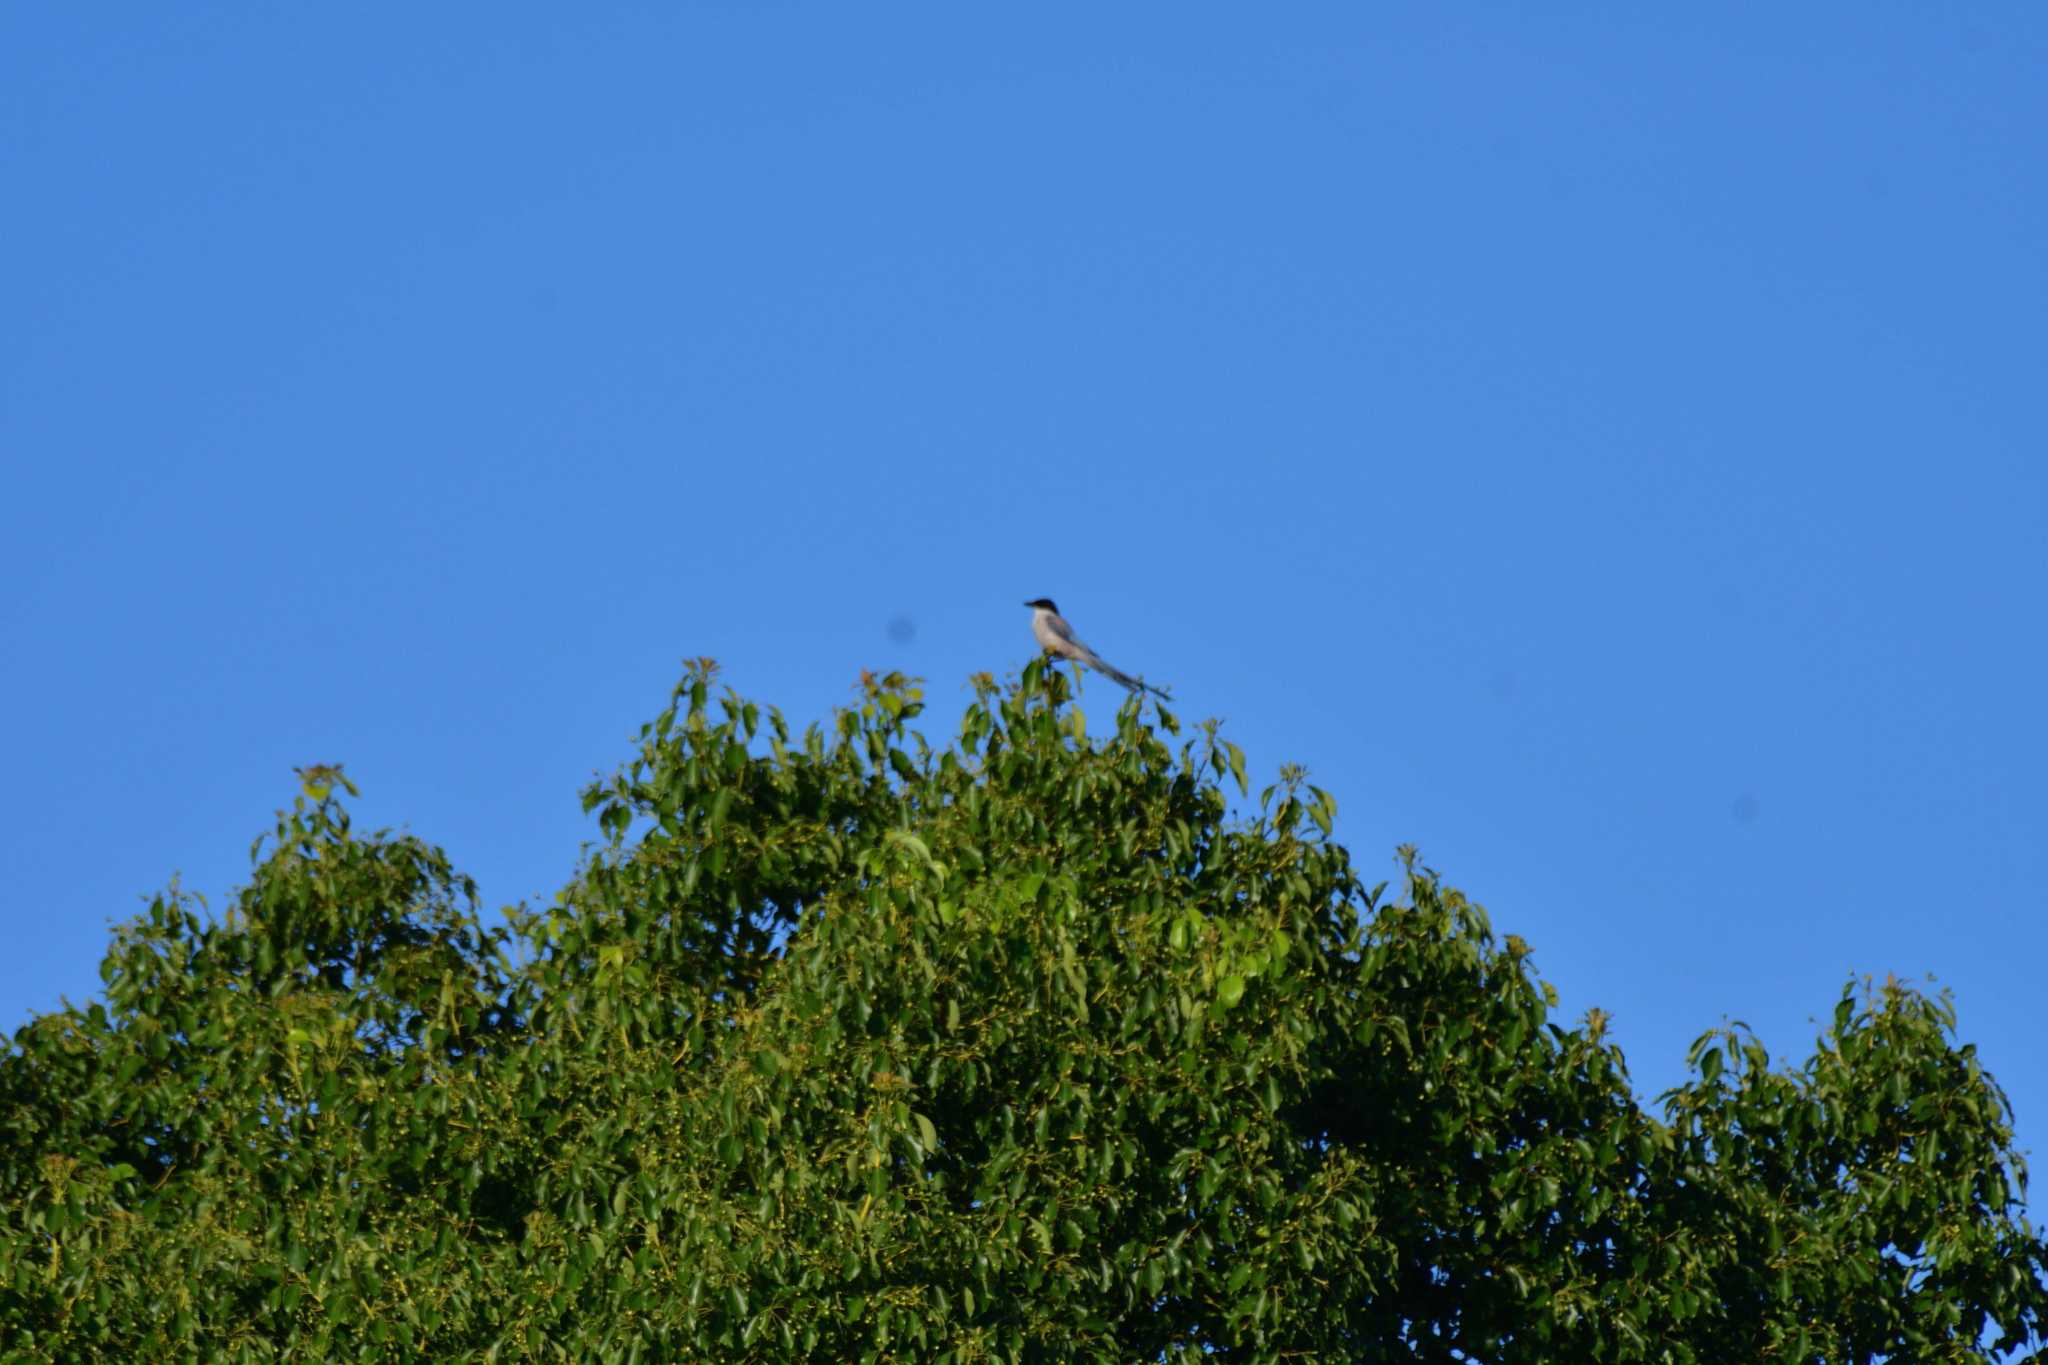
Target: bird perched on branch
(1057, 638)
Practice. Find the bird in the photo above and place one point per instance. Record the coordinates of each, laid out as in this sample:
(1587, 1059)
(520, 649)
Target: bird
(1057, 638)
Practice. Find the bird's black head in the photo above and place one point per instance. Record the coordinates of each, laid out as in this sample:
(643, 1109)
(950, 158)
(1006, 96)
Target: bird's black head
(1045, 602)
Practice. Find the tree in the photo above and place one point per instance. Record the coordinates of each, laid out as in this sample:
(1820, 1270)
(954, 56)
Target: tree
(843, 1047)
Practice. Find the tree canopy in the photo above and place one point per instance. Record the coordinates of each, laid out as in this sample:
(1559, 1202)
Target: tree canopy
(843, 1046)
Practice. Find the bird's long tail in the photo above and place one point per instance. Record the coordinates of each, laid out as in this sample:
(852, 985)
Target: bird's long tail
(1117, 675)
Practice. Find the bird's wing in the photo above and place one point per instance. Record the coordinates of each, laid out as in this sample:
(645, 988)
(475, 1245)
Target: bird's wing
(1057, 624)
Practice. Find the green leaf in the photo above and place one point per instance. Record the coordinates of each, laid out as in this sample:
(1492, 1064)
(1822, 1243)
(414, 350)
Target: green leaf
(691, 1105)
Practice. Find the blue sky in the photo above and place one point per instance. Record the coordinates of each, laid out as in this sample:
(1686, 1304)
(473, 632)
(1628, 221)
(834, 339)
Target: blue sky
(1605, 446)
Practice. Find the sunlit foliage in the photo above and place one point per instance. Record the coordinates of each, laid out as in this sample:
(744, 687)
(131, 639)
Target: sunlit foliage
(842, 1047)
